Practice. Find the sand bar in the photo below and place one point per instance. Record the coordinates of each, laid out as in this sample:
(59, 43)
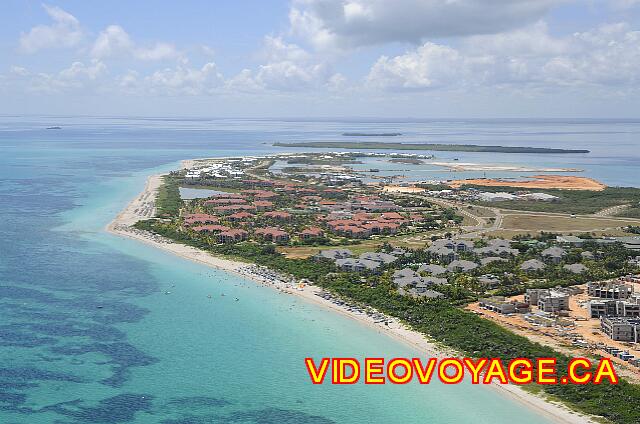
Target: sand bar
(563, 182)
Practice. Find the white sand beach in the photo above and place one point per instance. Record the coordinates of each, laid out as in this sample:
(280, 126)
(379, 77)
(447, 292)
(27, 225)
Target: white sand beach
(142, 207)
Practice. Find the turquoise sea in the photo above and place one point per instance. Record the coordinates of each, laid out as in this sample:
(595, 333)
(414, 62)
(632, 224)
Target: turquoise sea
(89, 335)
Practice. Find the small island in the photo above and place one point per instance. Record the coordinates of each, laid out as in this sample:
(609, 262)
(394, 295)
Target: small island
(360, 134)
(426, 146)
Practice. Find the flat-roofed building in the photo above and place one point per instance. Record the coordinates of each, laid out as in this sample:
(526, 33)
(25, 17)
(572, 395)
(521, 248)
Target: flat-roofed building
(554, 301)
(501, 305)
(613, 308)
(609, 289)
(621, 329)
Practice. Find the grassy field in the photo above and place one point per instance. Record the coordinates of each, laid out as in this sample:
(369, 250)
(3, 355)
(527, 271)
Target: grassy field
(570, 201)
(631, 212)
(560, 223)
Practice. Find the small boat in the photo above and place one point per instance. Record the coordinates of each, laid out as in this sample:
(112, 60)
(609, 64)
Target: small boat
(209, 296)
(456, 159)
(54, 128)
(237, 299)
(167, 292)
(374, 170)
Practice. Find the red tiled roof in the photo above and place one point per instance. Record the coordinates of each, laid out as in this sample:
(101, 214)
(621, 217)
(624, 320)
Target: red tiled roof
(234, 233)
(235, 208)
(225, 201)
(272, 231)
(265, 195)
(227, 196)
(241, 215)
(199, 217)
(277, 214)
(210, 228)
(262, 203)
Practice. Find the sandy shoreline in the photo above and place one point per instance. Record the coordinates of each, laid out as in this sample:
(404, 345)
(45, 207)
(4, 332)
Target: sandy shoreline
(142, 207)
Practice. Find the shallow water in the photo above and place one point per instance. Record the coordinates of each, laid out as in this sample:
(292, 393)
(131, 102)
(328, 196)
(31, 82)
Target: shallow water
(88, 335)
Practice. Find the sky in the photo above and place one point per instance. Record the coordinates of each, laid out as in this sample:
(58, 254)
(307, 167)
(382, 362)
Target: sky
(322, 58)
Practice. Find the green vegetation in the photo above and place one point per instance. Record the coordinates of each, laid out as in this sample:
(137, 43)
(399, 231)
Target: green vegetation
(632, 211)
(168, 200)
(570, 201)
(410, 161)
(425, 146)
(359, 134)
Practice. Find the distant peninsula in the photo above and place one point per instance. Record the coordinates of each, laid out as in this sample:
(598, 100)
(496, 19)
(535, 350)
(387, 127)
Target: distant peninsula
(360, 134)
(425, 146)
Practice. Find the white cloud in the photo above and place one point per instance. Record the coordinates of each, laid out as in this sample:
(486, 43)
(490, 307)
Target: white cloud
(64, 32)
(288, 68)
(607, 56)
(340, 24)
(115, 41)
(78, 76)
(185, 80)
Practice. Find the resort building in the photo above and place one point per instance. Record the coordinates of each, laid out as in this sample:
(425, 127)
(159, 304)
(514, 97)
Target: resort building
(240, 216)
(614, 308)
(455, 245)
(405, 272)
(357, 265)
(489, 259)
(334, 254)
(621, 329)
(548, 300)
(575, 268)
(263, 205)
(553, 301)
(225, 201)
(212, 228)
(495, 197)
(501, 305)
(489, 281)
(553, 254)
(200, 218)
(272, 234)
(609, 289)
(497, 247)
(462, 266)
(232, 236)
(532, 265)
(383, 258)
(572, 240)
(278, 215)
(443, 253)
(311, 233)
(433, 269)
